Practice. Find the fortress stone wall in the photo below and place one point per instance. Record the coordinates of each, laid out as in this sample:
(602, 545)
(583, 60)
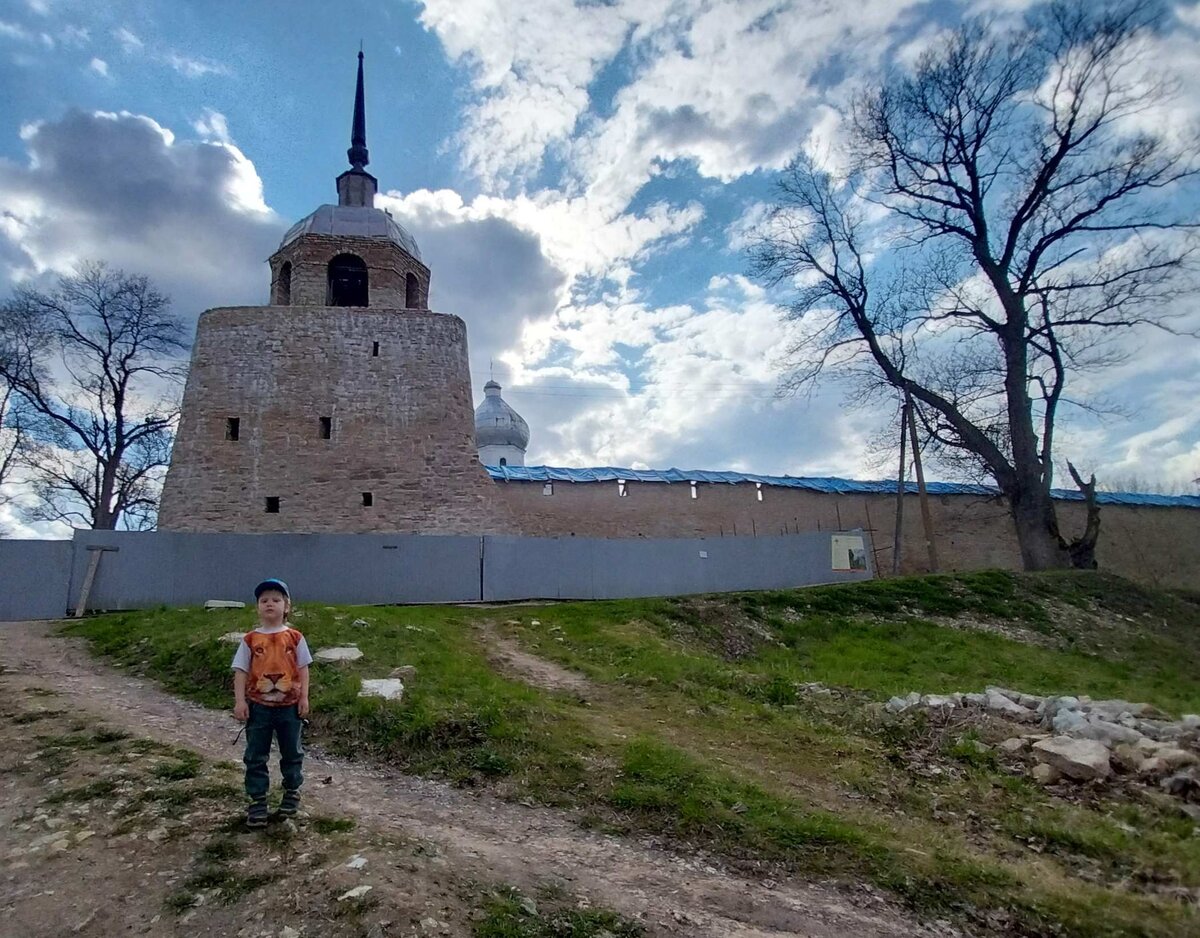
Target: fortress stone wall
(1154, 545)
(389, 387)
(345, 406)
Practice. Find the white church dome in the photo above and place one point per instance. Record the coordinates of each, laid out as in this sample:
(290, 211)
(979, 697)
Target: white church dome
(497, 424)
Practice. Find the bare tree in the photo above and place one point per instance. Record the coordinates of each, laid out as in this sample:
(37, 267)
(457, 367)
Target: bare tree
(1005, 217)
(96, 369)
(12, 440)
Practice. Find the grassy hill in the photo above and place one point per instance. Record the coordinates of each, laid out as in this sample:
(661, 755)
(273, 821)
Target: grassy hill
(749, 726)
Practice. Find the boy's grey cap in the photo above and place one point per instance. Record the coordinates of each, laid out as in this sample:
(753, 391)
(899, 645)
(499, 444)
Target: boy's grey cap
(271, 584)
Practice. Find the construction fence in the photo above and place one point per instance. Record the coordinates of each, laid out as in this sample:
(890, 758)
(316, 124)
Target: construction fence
(103, 570)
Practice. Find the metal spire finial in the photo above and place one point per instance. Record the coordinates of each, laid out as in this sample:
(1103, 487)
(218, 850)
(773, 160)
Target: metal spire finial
(358, 131)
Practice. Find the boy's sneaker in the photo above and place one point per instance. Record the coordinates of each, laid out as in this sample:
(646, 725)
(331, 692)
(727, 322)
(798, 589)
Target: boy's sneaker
(290, 804)
(256, 814)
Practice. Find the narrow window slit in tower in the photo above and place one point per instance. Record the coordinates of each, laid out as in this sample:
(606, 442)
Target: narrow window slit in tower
(758, 489)
(326, 428)
(621, 490)
(368, 500)
(503, 461)
(233, 427)
(272, 504)
(548, 488)
(695, 494)
(374, 349)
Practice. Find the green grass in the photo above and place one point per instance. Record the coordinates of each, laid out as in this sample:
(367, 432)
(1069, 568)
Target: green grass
(332, 825)
(508, 914)
(176, 771)
(93, 791)
(698, 728)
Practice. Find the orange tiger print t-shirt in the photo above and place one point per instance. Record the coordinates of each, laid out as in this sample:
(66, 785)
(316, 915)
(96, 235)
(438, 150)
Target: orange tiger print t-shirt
(272, 662)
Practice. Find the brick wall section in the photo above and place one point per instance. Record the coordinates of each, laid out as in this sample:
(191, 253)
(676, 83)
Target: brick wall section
(387, 268)
(1154, 545)
(402, 425)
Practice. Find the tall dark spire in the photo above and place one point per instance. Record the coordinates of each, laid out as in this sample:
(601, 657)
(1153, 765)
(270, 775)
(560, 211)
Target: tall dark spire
(358, 131)
(355, 186)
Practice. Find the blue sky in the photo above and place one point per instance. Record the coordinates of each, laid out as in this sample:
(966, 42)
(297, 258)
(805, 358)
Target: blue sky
(579, 176)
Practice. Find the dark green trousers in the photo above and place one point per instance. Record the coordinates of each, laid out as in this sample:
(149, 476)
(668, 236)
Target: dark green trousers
(267, 723)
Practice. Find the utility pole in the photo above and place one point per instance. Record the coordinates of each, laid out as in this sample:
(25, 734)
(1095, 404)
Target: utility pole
(896, 535)
(926, 520)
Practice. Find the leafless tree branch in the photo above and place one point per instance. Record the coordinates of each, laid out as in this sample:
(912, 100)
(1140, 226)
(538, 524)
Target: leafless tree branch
(96, 365)
(1027, 217)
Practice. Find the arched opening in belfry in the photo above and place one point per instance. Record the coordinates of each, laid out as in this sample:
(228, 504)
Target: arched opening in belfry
(347, 281)
(283, 294)
(412, 292)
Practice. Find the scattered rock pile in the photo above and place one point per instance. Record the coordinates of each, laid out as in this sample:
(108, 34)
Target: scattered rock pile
(1085, 739)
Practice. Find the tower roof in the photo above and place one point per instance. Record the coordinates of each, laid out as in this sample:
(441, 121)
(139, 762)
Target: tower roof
(497, 424)
(353, 221)
(355, 215)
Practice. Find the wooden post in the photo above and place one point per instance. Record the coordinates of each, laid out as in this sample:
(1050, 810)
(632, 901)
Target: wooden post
(926, 519)
(871, 535)
(896, 536)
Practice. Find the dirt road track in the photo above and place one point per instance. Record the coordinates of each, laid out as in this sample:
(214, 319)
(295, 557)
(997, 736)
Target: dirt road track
(478, 834)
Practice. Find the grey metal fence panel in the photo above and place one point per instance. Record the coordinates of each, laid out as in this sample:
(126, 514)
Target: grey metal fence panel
(42, 579)
(34, 579)
(175, 568)
(592, 568)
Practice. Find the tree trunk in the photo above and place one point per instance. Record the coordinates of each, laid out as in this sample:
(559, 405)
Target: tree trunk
(103, 518)
(1042, 548)
(1083, 548)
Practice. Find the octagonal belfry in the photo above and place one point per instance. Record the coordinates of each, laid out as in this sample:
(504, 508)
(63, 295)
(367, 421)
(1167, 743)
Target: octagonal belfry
(344, 405)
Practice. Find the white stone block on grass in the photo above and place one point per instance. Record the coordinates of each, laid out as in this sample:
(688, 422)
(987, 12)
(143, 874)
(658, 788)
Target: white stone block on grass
(344, 653)
(223, 604)
(389, 688)
(232, 637)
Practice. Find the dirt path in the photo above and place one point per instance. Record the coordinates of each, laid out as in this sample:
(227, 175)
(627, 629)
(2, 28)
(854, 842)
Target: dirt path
(477, 834)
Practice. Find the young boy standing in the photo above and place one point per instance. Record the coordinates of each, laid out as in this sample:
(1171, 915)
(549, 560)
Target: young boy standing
(270, 694)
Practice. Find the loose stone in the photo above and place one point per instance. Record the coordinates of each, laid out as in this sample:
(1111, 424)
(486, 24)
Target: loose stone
(1081, 759)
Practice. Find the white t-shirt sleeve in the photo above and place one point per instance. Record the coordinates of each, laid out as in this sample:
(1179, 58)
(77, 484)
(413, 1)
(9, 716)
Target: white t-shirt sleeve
(303, 655)
(241, 658)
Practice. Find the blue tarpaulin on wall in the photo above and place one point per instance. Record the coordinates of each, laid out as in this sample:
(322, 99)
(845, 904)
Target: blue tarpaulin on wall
(814, 484)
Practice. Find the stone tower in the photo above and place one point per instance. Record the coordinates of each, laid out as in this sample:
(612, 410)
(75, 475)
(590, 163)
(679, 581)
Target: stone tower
(345, 405)
(501, 434)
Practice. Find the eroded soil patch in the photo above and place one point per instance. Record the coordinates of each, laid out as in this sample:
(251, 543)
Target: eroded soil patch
(508, 657)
